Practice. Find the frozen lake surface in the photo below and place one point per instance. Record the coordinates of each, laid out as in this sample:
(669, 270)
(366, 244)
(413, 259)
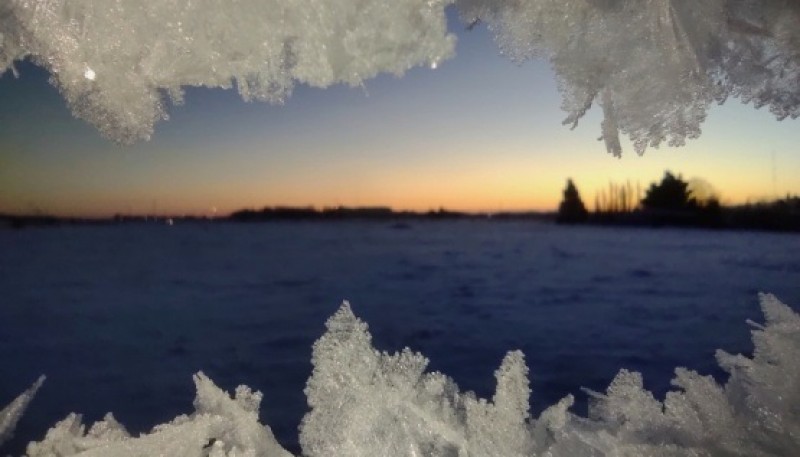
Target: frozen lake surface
(119, 317)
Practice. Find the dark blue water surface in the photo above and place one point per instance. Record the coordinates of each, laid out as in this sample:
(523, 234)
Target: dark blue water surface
(120, 317)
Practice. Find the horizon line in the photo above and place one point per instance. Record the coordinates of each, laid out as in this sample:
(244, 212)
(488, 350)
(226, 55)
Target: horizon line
(305, 208)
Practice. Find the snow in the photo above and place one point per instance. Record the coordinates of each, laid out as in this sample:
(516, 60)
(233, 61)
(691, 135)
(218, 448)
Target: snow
(654, 66)
(117, 317)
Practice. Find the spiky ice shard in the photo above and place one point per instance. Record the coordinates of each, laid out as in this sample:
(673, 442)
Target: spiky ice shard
(117, 62)
(10, 415)
(370, 403)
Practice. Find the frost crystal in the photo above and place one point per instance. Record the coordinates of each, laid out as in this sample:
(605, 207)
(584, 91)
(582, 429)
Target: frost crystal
(221, 426)
(654, 66)
(116, 61)
(369, 403)
(645, 62)
(10, 415)
(757, 413)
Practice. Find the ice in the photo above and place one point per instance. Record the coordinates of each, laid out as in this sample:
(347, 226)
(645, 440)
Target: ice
(766, 388)
(369, 403)
(757, 413)
(117, 62)
(654, 66)
(11, 414)
(501, 427)
(366, 403)
(221, 426)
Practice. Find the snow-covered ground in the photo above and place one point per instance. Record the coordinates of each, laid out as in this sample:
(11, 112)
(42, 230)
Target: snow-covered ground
(119, 318)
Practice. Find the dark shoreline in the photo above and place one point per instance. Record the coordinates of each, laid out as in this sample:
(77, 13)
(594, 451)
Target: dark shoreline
(762, 217)
(276, 214)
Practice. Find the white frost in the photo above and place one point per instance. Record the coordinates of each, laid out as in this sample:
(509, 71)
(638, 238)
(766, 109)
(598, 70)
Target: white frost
(117, 61)
(221, 426)
(10, 415)
(369, 403)
(654, 66)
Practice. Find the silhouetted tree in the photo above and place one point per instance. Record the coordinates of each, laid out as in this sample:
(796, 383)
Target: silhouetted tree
(671, 194)
(571, 210)
(618, 198)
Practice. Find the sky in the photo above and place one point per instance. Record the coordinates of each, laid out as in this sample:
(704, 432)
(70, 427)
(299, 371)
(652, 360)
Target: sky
(479, 133)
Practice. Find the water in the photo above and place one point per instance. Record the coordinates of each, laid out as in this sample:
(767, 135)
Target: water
(119, 317)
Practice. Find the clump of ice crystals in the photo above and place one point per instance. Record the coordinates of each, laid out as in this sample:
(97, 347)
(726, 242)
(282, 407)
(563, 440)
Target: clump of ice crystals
(117, 61)
(221, 426)
(369, 403)
(655, 66)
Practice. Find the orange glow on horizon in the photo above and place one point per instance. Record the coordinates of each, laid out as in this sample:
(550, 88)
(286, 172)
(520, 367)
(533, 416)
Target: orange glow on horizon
(465, 195)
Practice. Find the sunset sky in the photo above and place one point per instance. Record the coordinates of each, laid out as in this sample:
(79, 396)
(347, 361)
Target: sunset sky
(477, 134)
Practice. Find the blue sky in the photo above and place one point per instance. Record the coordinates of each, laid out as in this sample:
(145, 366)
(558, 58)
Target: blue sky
(478, 133)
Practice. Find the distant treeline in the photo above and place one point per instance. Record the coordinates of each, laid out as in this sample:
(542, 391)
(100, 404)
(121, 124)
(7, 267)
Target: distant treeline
(367, 213)
(15, 221)
(676, 202)
(277, 213)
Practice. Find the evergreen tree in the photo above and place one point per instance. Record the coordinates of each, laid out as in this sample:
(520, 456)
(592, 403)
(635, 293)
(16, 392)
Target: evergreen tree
(571, 210)
(671, 194)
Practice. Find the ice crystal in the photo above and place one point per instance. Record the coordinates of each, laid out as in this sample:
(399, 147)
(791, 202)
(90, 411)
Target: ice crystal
(369, 403)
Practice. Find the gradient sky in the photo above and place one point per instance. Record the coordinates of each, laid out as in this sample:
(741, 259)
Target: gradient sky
(479, 133)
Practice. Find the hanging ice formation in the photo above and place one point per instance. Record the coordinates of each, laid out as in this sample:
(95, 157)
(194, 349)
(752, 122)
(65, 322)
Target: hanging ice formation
(117, 61)
(654, 66)
(369, 403)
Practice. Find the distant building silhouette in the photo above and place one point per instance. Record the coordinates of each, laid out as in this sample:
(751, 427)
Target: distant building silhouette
(571, 210)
